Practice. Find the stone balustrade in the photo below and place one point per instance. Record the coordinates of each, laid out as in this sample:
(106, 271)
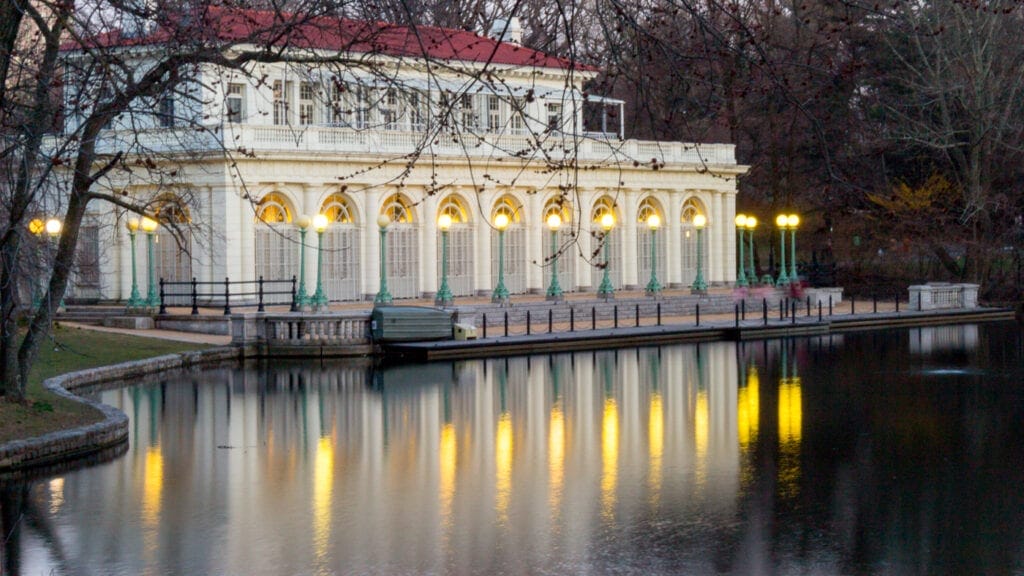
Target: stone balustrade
(943, 295)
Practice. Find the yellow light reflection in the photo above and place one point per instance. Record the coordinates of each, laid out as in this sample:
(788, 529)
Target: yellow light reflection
(701, 431)
(323, 486)
(790, 430)
(556, 458)
(790, 411)
(503, 464)
(448, 464)
(56, 495)
(748, 410)
(153, 486)
(609, 458)
(656, 442)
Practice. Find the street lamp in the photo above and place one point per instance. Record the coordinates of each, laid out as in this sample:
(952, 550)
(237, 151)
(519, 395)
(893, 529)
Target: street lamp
(653, 286)
(741, 276)
(500, 294)
(444, 294)
(751, 224)
(792, 221)
(605, 290)
(554, 291)
(37, 226)
(149, 226)
(301, 298)
(319, 299)
(782, 221)
(383, 296)
(135, 299)
(699, 286)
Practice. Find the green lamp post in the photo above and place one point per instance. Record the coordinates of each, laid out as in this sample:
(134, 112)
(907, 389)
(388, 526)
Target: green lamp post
(792, 221)
(605, 290)
(782, 221)
(149, 226)
(500, 294)
(383, 296)
(554, 222)
(134, 299)
(653, 286)
(301, 298)
(741, 275)
(699, 286)
(319, 299)
(444, 294)
(752, 272)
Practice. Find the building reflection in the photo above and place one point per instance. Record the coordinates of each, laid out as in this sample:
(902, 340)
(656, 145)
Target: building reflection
(933, 339)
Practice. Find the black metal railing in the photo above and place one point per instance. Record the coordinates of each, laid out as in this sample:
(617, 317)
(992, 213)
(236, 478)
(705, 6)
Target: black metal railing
(225, 294)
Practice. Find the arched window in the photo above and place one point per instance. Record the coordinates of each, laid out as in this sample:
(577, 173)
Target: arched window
(274, 208)
(338, 209)
(398, 208)
(509, 206)
(341, 249)
(460, 246)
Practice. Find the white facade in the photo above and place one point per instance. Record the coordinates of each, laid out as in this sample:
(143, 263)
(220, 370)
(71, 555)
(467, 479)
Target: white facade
(303, 142)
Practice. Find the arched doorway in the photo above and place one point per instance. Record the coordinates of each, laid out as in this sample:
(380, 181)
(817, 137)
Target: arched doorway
(277, 238)
(460, 246)
(172, 252)
(605, 205)
(688, 240)
(650, 207)
(402, 247)
(341, 249)
(565, 244)
(515, 244)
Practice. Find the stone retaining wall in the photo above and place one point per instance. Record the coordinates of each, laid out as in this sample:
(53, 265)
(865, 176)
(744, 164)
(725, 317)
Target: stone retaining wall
(113, 429)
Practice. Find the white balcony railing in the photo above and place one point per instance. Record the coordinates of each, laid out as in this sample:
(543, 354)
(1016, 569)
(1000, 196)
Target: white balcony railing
(258, 139)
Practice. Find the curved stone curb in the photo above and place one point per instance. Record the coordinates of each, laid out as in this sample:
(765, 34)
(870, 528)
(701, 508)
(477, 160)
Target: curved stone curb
(113, 429)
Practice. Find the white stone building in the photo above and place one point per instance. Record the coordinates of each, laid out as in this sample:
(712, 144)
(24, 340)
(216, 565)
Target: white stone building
(497, 128)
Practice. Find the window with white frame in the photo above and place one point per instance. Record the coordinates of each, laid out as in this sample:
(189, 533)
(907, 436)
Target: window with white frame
(341, 249)
(165, 111)
(416, 115)
(554, 119)
(460, 247)
(494, 121)
(467, 112)
(307, 103)
(389, 109)
(235, 103)
(518, 115)
(282, 102)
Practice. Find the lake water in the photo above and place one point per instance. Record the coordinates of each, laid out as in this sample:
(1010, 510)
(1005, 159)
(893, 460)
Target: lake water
(895, 451)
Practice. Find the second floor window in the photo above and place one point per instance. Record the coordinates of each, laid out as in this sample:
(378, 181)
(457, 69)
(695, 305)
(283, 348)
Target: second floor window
(517, 121)
(389, 110)
(235, 103)
(282, 101)
(306, 106)
(494, 123)
(554, 117)
(467, 111)
(165, 113)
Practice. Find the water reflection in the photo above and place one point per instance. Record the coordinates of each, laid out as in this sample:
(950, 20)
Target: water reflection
(720, 457)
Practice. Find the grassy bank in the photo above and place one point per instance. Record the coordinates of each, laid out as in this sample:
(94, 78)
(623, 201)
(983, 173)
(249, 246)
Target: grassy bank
(68, 350)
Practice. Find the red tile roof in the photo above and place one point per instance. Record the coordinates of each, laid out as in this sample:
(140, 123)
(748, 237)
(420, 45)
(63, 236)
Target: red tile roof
(226, 25)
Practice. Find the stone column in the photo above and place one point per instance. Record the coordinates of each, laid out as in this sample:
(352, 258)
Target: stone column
(534, 252)
(430, 257)
(674, 229)
(626, 227)
(483, 284)
(371, 244)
